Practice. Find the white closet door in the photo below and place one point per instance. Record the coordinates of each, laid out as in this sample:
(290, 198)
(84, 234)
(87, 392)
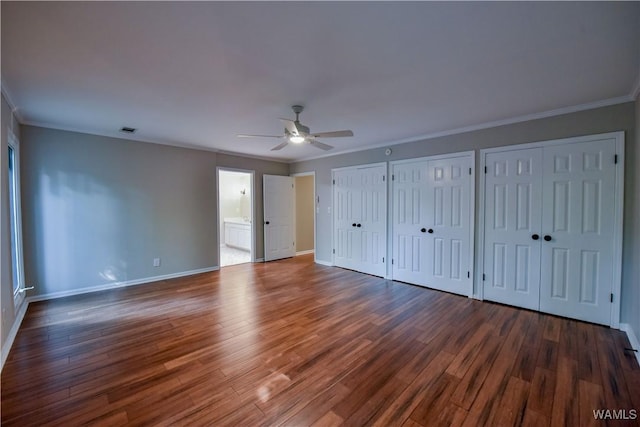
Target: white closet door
(448, 225)
(513, 219)
(347, 211)
(278, 198)
(578, 218)
(372, 220)
(410, 188)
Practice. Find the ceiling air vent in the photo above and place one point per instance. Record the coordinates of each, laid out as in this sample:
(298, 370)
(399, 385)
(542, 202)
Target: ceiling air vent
(125, 129)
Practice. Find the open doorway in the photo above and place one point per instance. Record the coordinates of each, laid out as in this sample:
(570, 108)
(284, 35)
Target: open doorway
(305, 213)
(235, 216)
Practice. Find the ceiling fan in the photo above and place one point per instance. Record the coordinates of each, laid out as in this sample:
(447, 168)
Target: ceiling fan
(297, 133)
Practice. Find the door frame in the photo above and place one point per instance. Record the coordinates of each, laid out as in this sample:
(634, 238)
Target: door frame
(472, 207)
(316, 204)
(252, 173)
(618, 215)
(333, 210)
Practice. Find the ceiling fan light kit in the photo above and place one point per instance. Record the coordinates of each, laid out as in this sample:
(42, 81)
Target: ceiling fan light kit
(297, 133)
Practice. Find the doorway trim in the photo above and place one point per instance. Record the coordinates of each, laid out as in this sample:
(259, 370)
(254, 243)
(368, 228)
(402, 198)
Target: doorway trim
(316, 205)
(251, 208)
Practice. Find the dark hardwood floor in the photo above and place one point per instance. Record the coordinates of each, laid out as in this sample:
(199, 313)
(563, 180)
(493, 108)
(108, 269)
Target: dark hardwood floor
(294, 343)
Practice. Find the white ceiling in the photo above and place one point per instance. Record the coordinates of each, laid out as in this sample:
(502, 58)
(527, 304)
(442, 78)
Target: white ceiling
(196, 74)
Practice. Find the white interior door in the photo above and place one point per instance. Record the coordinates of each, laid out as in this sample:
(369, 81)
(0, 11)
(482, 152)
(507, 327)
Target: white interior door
(449, 225)
(513, 220)
(410, 188)
(372, 221)
(347, 212)
(279, 226)
(578, 226)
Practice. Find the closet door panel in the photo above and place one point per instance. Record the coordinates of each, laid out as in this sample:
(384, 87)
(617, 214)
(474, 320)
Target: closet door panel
(448, 217)
(578, 217)
(347, 208)
(410, 187)
(372, 219)
(513, 220)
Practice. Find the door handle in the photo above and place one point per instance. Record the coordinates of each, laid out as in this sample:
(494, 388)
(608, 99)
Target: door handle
(423, 230)
(547, 238)
(535, 236)
(430, 231)
(359, 225)
(266, 222)
(353, 225)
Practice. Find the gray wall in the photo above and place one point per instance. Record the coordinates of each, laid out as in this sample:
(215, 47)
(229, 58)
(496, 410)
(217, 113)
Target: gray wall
(97, 210)
(8, 122)
(304, 213)
(632, 310)
(600, 120)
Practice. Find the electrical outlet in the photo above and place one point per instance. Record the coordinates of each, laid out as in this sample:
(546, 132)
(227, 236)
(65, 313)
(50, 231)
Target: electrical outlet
(156, 262)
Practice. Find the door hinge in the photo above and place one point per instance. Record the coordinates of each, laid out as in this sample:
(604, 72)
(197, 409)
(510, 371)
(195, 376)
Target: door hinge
(392, 261)
(468, 275)
(615, 159)
(469, 171)
(334, 182)
(334, 251)
(291, 185)
(611, 298)
(382, 259)
(393, 177)
(483, 277)
(485, 169)
(383, 178)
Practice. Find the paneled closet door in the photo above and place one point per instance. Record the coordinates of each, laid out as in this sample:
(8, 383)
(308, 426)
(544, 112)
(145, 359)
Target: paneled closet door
(513, 220)
(347, 204)
(448, 225)
(372, 221)
(410, 188)
(578, 219)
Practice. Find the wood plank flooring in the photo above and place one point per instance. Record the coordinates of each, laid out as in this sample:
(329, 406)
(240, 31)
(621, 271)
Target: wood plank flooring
(299, 344)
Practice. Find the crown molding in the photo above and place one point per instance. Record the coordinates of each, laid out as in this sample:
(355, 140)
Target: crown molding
(635, 92)
(486, 125)
(7, 96)
(117, 136)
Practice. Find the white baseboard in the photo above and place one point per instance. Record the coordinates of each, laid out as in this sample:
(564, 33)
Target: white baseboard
(321, 262)
(114, 285)
(310, 251)
(13, 332)
(259, 260)
(633, 339)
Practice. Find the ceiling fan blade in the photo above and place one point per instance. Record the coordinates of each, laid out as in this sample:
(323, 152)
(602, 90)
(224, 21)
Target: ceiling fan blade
(320, 145)
(290, 125)
(279, 146)
(258, 136)
(334, 134)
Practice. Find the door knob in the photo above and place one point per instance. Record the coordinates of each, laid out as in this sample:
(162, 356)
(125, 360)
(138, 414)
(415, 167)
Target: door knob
(266, 222)
(430, 231)
(535, 236)
(547, 238)
(359, 225)
(353, 225)
(423, 230)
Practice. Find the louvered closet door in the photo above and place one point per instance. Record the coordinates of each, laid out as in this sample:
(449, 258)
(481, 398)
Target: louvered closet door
(410, 188)
(513, 219)
(578, 218)
(347, 202)
(372, 222)
(448, 225)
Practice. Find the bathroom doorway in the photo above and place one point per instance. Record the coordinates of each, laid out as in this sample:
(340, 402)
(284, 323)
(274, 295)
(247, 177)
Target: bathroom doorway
(235, 216)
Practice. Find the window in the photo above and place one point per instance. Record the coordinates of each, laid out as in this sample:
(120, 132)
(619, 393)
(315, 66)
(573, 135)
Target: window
(17, 268)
